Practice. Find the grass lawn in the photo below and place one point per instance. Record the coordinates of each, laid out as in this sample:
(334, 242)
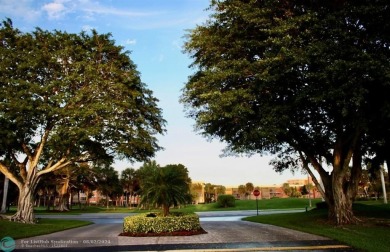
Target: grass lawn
(263, 204)
(44, 226)
(372, 234)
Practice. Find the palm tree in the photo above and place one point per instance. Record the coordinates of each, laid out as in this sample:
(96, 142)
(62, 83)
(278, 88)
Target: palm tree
(128, 181)
(241, 190)
(108, 183)
(165, 186)
(196, 192)
(209, 191)
(249, 189)
(219, 189)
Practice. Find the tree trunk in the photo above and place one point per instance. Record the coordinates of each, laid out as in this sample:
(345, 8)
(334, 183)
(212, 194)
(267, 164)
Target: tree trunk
(78, 198)
(165, 210)
(340, 208)
(25, 212)
(5, 195)
(62, 190)
(383, 185)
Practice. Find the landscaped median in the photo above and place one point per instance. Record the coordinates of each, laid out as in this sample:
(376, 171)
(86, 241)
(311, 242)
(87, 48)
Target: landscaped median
(155, 224)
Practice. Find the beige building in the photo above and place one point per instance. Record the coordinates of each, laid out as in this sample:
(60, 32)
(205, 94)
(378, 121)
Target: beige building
(266, 191)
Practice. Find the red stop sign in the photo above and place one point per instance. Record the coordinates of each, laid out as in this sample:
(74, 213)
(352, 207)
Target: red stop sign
(256, 192)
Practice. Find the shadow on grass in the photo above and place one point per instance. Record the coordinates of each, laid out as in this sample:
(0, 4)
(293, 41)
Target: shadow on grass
(370, 234)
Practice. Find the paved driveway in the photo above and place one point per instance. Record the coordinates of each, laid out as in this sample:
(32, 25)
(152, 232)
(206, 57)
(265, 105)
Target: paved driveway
(225, 232)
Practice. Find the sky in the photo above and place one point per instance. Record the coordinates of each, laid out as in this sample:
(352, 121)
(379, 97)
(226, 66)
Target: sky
(154, 32)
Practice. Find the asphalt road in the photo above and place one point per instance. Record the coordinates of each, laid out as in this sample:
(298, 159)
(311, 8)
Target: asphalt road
(225, 232)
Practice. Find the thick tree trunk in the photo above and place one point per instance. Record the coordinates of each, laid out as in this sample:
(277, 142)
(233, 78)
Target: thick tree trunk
(165, 210)
(25, 212)
(340, 208)
(62, 205)
(340, 186)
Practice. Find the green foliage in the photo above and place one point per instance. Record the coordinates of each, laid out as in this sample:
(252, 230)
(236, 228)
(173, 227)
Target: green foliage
(69, 98)
(226, 201)
(157, 223)
(306, 80)
(164, 186)
(108, 182)
(209, 191)
(82, 88)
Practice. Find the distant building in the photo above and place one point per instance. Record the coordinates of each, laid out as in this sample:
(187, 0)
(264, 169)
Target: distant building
(274, 191)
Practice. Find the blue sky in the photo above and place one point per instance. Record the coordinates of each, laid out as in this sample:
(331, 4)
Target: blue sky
(153, 31)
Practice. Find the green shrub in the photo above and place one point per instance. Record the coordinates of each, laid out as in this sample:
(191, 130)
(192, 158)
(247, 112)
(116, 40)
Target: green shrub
(156, 223)
(226, 201)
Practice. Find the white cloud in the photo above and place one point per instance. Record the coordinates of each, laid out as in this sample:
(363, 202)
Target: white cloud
(87, 9)
(87, 28)
(21, 8)
(131, 42)
(57, 8)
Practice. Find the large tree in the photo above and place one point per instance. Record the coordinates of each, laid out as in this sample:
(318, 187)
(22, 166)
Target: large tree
(68, 98)
(306, 80)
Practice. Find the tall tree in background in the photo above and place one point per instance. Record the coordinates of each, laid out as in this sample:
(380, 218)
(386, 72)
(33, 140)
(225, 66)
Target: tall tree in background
(241, 190)
(108, 183)
(68, 98)
(249, 187)
(129, 182)
(306, 80)
(209, 191)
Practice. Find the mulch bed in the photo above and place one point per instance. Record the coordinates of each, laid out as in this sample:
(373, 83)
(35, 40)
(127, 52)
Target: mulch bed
(175, 233)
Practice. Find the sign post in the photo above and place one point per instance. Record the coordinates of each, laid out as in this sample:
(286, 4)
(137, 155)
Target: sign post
(257, 193)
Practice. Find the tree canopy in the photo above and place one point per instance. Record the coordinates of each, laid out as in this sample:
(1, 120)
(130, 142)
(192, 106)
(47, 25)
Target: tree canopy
(306, 80)
(69, 98)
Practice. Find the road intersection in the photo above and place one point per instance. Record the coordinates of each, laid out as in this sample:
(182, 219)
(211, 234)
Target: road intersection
(225, 232)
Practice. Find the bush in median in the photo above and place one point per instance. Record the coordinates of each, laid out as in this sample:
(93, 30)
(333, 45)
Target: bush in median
(155, 223)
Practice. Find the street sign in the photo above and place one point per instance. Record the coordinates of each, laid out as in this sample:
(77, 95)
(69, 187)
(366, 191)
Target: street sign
(257, 193)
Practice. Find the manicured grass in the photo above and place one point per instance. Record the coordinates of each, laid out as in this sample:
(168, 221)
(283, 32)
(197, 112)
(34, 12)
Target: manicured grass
(44, 226)
(90, 209)
(372, 234)
(263, 204)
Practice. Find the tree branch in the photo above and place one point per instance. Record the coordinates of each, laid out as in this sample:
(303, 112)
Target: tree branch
(39, 149)
(307, 168)
(10, 175)
(59, 165)
(22, 166)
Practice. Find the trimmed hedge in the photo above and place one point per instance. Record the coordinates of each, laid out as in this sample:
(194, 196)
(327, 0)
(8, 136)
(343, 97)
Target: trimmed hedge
(156, 223)
(226, 201)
